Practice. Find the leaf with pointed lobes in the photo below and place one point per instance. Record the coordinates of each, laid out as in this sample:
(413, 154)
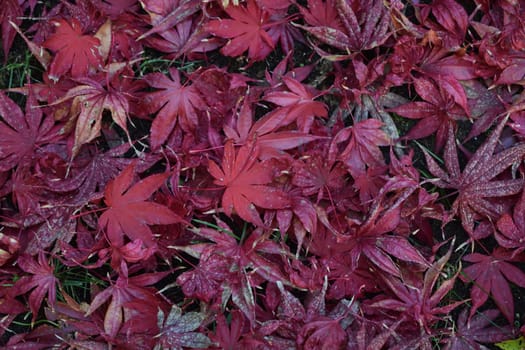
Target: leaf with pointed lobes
(129, 214)
(269, 140)
(363, 25)
(123, 293)
(42, 281)
(247, 183)
(175, 102)
(298, 104)
(246, 29)
(22, 133)
(511, 229)
(491, 274)
(164, 15)
(74, 52)
(476, 190)
(362, 149)
(481, 328)
(178, 330)
(228, 336)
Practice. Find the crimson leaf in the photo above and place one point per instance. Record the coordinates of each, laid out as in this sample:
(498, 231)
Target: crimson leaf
(247, 183)
(74, 51)
(128, 212)
(490, 274)
(474, 182)
(22, 133)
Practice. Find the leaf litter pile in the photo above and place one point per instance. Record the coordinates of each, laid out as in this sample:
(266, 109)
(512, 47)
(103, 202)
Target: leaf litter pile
(262, 174)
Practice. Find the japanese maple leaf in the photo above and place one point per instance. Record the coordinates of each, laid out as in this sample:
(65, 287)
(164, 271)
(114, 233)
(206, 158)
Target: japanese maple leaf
(474, 184)
(362, 150)
(315, 175)
(122, 294)
(92, 98)
(247, 30)
(365, 25)
(251, 253)
(247, 183)
(179, 31)
(91, 172)
(322, 13)
(451, 22)
(73, 50)
(128, 212)
(165, 15)
(299, 102)
(416, 299)
(437, 113)
(491, 274)
(204, 281)
(22, 133)
(511, 229)
(269, 139)
(178, 330)
(174, 102)
(228, 335)
(42, 281)
(10, 11)
(370, 238)
(479, 329)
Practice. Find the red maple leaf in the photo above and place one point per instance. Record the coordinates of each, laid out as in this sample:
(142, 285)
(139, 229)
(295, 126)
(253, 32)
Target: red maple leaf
(10, 11)
(474, 182)
(22, 134)
(122, 294)
(414, 296)
(437, 113)
(469, 334)
(175, 102)
(42, 282)
(112, 92)
(364, 26)
(490, 274)
(362, 150)
(90, 172)
(246, 181)
(322, 13)
(247, 30)
(511, 229)
(204, 281)
(73, 50)
(451, 22)
(178, 330)
(371, 238)
(270, 140)
(298, 102)
(128, 212)
(228, 335)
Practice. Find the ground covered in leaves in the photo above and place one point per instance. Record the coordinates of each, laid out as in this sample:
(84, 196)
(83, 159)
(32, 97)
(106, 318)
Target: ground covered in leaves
(269, 174)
